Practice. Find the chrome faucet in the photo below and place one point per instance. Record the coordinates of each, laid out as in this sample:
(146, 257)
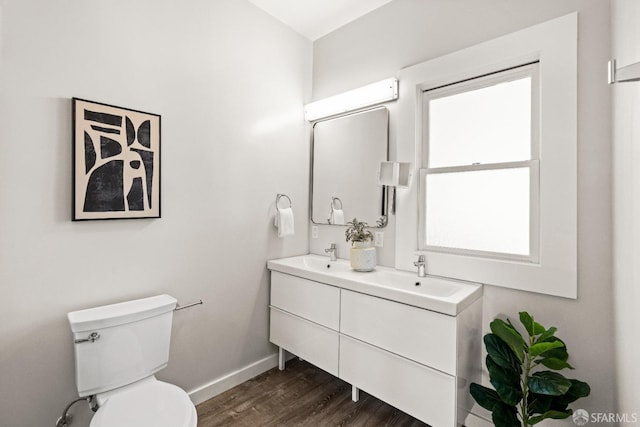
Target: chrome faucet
(332, 251)
(421, 263)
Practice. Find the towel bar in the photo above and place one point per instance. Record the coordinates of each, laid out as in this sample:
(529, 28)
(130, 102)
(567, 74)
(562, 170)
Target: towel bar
(630, 73)
(182, 307)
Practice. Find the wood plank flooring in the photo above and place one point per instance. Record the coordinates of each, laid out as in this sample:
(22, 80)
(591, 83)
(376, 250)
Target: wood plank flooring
(301, 395)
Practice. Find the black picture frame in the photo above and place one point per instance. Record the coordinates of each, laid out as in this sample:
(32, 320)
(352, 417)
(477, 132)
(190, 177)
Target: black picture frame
(116, 162)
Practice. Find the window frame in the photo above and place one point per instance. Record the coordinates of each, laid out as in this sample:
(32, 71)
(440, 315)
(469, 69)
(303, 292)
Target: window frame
(554, 44)
(527, 70)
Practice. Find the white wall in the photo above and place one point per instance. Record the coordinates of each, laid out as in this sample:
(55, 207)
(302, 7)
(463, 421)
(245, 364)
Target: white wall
(625, 15)
(229, 82)
(407, 32)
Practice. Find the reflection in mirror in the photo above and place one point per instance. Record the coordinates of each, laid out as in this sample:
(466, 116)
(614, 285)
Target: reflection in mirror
(347, 152)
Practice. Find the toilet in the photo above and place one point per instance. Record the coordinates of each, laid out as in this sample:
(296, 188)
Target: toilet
(118, 349)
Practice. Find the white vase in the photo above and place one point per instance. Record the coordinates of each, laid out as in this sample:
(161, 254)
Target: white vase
(362, 256)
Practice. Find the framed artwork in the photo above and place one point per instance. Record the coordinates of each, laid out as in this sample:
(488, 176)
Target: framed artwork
(116, 162)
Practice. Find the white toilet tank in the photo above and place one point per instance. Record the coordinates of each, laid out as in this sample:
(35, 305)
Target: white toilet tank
(119, 344)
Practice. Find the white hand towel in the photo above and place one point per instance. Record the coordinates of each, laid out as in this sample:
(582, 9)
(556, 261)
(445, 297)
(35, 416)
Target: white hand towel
(337, 217)
(284, 222)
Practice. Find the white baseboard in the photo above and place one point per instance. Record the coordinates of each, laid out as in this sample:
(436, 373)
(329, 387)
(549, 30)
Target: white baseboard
(233, 379)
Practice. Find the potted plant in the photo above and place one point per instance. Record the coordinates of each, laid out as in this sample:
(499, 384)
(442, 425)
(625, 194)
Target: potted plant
(524, 393)
(362, 254)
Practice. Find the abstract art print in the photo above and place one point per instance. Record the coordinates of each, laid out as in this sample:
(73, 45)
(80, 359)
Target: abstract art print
(116, 162)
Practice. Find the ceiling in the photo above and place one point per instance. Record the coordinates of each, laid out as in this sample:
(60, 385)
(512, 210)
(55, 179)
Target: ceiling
(316, 18)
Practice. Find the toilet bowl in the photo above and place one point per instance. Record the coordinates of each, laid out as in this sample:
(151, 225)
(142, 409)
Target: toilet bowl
(147, 403)
(118, 349)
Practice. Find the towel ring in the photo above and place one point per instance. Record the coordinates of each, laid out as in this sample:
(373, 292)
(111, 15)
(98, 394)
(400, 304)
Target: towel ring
(283, 195)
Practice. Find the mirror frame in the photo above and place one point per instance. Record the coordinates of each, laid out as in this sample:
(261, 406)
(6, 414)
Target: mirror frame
(383, 217)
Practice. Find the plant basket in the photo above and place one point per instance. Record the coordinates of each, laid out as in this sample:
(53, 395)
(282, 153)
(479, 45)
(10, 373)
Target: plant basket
(362, 256)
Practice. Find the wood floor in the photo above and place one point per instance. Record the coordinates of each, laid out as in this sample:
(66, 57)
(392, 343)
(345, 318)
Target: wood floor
(301, 395)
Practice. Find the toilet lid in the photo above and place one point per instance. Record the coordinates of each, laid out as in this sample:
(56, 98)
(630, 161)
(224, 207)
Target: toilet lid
(156, 404)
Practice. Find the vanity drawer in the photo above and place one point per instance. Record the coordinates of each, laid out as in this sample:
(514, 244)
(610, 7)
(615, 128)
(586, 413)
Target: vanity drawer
(421, 335)
(305, 339)
(311, 300)
(424, 393)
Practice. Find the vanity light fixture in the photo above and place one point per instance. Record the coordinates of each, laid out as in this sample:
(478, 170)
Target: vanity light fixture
(394, 175)
(365, 96)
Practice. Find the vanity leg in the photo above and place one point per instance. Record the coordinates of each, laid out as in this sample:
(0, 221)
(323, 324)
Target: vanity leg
(355, 393)
(281, 358)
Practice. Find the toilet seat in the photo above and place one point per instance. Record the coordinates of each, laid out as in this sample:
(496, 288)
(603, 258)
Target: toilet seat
(149, 404)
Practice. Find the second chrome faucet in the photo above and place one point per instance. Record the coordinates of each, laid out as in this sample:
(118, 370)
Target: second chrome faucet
(421, 263)
(332, 251)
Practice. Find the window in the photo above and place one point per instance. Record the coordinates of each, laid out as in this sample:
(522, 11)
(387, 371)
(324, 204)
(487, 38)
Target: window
(479, 180)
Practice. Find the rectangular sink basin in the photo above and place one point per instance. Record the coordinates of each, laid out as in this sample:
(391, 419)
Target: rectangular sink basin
(447, 296)
(428, 285)
(318, 263)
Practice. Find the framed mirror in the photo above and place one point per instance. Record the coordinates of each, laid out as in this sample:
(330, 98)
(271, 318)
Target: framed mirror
(346, 155)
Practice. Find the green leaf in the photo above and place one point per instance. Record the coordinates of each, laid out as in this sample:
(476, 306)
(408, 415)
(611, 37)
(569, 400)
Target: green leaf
(557, 415)
(505, 416)
(542, 347)
(549, 339)
(538, 403)
(506, 382)
(532, 327)
(510, 336)
(538, 328)
(508, 324)
(547, 334)
(485, 397)
(554, 363)
(527, 321)
(500, 352)
(550, 383)
(559, 352)
(577, 390)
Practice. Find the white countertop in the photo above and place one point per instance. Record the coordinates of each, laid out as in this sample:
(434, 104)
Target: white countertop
(447, 296)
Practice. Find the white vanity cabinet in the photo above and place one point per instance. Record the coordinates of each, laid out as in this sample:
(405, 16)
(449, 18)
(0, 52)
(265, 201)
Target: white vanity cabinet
(420, 361)
(414, 359)
(305, 318)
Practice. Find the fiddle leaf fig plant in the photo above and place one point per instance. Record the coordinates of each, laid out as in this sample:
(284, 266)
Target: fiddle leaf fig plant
(356, 232)
(524, 393)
